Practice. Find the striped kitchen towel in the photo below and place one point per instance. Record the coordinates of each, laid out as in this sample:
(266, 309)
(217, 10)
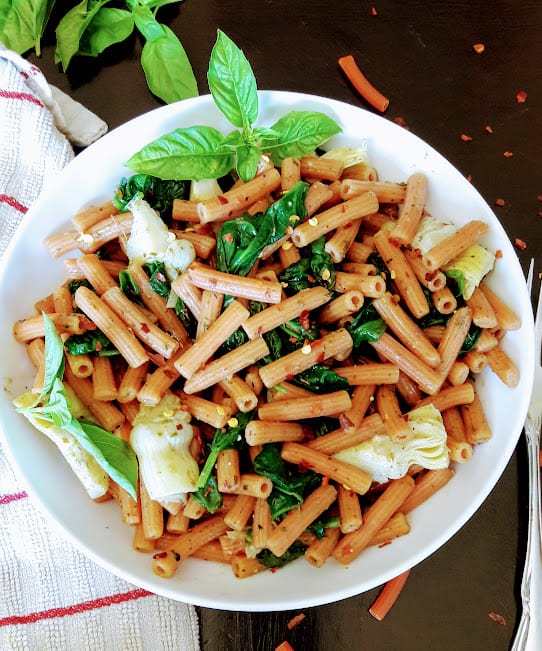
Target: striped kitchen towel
(53, 598)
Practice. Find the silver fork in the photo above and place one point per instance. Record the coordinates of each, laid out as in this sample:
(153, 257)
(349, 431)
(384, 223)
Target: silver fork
(529, 633)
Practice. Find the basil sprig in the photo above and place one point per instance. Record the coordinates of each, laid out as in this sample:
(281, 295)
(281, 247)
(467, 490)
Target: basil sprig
(201, 152)
(90, 27)
(113, 455)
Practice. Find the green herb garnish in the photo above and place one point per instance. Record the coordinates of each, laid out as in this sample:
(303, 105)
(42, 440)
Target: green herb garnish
(113, 454)
(202, 152)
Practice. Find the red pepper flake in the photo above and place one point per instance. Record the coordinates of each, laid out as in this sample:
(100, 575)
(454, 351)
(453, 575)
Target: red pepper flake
(160, 555)
(539, 197)
(304, 319)
(222, 199)
(290, 376)
(345, 422)
(469, 178)
(160, 276)
(295, 621)
(145, 328)
(540, 214)
(521, 97)
(465, 137)
(520, 244)
(228, 237)
(498, 254)
(488, 128)
(497, 618)
(373, 11)
(479, 48)
(499, 202)
(401, 122)
(508, 154)
(179, 426)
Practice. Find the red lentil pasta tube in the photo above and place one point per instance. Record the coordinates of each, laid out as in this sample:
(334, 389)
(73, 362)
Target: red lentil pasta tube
(240, 353)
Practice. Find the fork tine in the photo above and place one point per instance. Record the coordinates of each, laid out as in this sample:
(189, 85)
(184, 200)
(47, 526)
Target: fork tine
(530, 277)
(538, 324)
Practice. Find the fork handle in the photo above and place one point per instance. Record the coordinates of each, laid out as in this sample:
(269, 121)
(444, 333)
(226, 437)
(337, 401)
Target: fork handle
(529, 632)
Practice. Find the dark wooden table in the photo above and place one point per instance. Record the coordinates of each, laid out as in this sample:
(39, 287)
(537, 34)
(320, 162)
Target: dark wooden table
(419, 54)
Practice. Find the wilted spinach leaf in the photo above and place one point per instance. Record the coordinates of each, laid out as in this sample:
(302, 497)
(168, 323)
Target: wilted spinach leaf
(289, 486)
(269, 559)
(156, 192)
(241, 241)
(314, 268)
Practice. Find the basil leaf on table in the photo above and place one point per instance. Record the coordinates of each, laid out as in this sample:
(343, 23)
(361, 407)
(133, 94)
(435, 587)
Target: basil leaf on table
(186, 153)
(107, 27)
(232, 83)
(22, 23)
(71, 28)
(167, 68)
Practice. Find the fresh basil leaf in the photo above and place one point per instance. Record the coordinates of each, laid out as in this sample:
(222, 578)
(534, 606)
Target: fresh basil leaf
(5, 11)
(156, 4)
(300, 133)
(191, 153)
(248, 157)
(22, 23)
(232, 83)
(54, 356)
(145, 20)
(114, 455)
(107, 27)
(71, 28)
(167, 68)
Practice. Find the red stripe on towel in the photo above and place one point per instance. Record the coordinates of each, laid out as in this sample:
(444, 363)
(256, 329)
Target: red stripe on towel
(13, 497)
(11, 201)
(75, 609)
(27, 97)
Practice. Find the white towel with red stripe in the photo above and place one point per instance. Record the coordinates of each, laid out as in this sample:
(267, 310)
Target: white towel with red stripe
(51, 596)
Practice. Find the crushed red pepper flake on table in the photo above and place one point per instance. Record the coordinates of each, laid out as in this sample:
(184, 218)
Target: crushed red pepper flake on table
(520, 244)
(401, 122)
(489, 128)
(373, 11)
(508, 154)
(465, 137)
(521, 97)
(295, 620)
(479, 48)
(499, 202)
(497, 618)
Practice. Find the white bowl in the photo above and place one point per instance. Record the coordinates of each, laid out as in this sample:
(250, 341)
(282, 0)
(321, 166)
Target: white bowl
(28, 273)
